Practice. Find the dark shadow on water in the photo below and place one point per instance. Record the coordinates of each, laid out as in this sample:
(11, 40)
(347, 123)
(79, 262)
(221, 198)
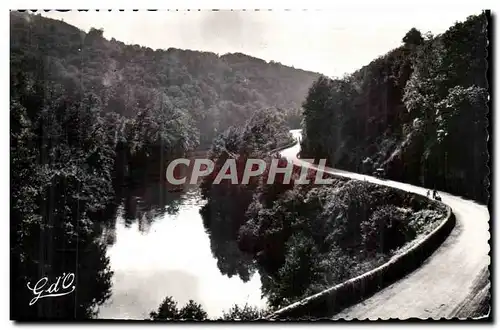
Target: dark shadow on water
(146, 197)
(231, 260)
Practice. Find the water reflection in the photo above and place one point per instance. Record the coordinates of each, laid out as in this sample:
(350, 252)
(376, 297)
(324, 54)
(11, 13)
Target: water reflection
(158, 247)
(230, 259)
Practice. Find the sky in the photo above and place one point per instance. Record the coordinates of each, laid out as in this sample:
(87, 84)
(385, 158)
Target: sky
(326, 41)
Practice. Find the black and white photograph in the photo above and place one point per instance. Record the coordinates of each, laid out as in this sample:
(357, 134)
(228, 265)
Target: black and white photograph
(250, 165)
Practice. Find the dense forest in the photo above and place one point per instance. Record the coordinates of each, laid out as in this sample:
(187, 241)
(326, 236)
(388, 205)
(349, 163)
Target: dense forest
(419, 113)
(62, 159)
(89, 115)
(205, 91)
(301, 238)
(86, 114)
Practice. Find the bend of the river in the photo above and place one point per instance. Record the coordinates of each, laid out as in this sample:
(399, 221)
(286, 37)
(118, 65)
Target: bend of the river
(169, 254)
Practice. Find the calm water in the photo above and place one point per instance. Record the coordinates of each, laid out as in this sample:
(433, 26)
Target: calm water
(158, 247)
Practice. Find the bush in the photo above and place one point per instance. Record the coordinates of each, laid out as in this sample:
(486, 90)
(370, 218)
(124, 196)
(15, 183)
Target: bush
(192, 311)
(168, 311)
(421, 221)
(386, 229)
(245, 313)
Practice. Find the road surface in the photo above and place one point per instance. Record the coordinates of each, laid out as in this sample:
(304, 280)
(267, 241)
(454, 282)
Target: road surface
(453, 281)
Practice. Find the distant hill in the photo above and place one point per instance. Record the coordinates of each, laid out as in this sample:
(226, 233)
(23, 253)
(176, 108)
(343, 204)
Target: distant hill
(216, 91)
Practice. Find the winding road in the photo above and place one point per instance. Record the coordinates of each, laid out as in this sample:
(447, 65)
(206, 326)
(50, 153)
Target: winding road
(453, 281)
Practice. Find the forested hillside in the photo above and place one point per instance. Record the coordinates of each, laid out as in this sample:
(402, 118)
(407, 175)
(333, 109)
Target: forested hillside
(87, 117)
(301, 238)
(212, 91)
(418, 112)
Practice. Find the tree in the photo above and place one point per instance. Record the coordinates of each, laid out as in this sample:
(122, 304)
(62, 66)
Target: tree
(60, 153)
(192, 311)
(413, 38)
(386, 229)
(465, 168)
(393, 113)
(245, 313)
(166, 311)
(318, 117)
(215, 91)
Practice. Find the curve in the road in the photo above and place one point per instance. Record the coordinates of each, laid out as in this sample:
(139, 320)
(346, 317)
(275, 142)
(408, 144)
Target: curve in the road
(447, 285)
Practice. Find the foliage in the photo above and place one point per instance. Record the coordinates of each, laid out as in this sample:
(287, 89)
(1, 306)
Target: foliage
(386, 229)
(301, 238)
(192, 311)
(245, 313)
(61, 168)
(168, 311)
(225, 211)
(88, 113)
(215, 91)
(406, 112)
(413, 37)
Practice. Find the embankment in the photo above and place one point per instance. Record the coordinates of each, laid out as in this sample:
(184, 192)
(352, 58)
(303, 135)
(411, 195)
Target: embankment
(350, 292)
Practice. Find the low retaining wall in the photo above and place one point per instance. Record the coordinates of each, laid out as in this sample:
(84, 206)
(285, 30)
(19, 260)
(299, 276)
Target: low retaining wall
(350, 292)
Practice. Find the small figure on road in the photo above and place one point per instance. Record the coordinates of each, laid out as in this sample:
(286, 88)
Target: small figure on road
(434, 194)
(428, 193)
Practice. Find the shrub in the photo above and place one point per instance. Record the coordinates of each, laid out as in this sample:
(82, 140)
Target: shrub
(168, 311)
(245, 313)
(386, 229)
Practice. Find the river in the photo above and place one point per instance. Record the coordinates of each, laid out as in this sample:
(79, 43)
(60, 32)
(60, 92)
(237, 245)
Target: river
(158, 247)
